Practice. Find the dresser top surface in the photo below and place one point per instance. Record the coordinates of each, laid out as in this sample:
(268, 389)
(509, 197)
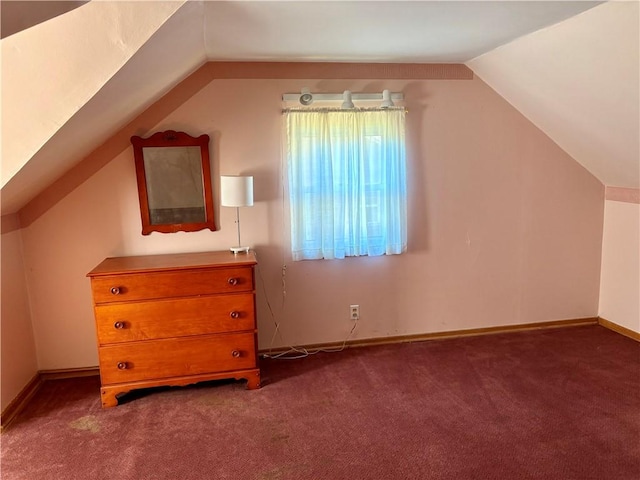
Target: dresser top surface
(173, 261)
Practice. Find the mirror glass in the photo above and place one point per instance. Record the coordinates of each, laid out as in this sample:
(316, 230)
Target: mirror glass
(174, 182)
(174, 185)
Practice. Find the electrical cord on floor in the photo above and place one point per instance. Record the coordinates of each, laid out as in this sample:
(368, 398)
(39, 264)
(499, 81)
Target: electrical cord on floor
(293, 352)
(300, 352)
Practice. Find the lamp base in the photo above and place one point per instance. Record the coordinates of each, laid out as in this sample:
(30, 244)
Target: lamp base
(237, 250)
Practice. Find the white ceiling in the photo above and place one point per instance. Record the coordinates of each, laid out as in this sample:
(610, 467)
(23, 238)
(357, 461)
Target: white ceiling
(357, 31)
(373, 31)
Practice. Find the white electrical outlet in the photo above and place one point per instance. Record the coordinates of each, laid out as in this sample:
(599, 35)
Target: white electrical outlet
(355, 312)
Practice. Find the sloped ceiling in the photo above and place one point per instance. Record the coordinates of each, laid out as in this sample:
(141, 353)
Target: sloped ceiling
(138, 83)
(50, 71)
(579, 82)
(185, 37)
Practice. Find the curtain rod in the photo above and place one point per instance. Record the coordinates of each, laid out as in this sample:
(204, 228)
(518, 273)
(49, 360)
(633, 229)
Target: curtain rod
(294, 97)
(344, 110)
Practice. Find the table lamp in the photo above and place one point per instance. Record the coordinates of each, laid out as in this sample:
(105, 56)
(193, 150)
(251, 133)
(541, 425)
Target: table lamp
(236, 191)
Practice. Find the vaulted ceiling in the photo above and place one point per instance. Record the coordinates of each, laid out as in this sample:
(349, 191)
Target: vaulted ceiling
(70, 82)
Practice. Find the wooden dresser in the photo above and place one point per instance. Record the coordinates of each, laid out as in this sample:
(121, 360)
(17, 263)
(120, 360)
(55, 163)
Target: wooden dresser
(174, 320)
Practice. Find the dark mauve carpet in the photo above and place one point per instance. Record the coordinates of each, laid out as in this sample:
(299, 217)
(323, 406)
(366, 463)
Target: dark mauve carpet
(546, 404)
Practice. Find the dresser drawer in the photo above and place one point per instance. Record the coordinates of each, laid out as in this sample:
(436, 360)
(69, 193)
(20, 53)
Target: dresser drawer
(127, 322)
(128, 287)
(175, 357)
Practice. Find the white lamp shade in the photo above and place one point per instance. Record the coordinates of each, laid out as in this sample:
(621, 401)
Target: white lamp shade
(236, 191)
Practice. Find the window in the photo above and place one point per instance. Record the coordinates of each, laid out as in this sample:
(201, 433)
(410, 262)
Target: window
(347, 182)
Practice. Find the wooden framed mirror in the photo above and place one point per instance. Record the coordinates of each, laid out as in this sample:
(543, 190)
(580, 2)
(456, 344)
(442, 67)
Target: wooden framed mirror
(174, 182)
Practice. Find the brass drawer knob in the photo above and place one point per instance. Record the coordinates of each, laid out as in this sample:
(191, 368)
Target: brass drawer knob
(234, 314)
(119, 325)
(235, 353)
(122, 365)
(232, 281)
(115, 290)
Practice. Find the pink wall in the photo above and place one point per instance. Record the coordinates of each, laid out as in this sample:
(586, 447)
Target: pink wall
(18, 354)
(504, 227)
(620, 278)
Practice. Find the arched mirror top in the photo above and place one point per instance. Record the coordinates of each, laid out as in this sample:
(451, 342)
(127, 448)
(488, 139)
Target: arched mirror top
(174, 182)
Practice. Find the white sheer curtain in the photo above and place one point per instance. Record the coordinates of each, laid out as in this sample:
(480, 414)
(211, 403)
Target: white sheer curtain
(347, 182)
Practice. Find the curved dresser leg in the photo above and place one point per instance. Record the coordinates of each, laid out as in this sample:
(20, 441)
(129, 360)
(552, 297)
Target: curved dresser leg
(253, 381)
(108, 396)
